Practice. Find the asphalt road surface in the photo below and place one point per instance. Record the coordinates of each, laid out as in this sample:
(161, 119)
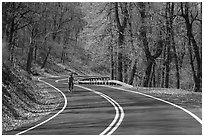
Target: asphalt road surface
(94, 110)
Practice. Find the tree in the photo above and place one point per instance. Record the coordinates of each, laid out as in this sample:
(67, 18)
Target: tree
(121, 22)
(16, 15)
(170, 50)
(133, 49)
(172, 17)
(159, 44)
(189, 21)
(37, 28)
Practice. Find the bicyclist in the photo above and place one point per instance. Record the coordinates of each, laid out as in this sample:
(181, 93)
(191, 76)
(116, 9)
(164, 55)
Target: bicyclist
(71, 82)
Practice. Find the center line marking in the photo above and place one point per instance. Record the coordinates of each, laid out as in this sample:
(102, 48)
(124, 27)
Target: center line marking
(185, 110)
(111, 128)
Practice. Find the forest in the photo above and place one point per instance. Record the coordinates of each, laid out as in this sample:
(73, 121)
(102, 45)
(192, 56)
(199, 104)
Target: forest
(146, 44)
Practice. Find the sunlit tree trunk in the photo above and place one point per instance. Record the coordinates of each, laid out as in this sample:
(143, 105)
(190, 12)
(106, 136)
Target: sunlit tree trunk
(173, 45)
(134, 60)
(168, 44)
(111, 62)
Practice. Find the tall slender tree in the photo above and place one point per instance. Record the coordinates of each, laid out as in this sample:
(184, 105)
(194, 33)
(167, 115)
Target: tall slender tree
(189, 20)
(121, 22)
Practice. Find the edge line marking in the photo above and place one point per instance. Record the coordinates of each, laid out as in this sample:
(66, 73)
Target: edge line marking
(185, 110)
(65, 104)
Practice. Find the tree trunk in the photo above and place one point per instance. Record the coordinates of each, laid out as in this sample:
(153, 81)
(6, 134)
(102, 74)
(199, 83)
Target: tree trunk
(30, 58)
(111, 48)
(35, 53)
(168, 43)
(115, 64)
(132, 72)
(148, 72)
(150, 58)
(145, 44)
(191, 60)
(45, 61)
(11, 44)
(173, 45)
(121, 25)
(120, 67)
(198, 78)
(177, 65)
(112, 62)
(125, 66)
(152, 76)
(163, 67)
(134, 60)
(167, 67)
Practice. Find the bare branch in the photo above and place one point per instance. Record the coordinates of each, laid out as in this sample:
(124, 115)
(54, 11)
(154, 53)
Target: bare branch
(23, 26)
(49, 33)
(195, 18)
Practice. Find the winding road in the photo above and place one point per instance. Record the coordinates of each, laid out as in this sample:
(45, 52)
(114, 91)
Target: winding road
(105, 110)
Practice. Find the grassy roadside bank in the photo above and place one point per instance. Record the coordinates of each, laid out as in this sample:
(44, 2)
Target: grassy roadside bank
(24, 100)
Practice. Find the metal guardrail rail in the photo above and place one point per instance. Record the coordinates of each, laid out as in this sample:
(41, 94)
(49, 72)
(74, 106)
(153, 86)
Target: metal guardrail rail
(102, 81)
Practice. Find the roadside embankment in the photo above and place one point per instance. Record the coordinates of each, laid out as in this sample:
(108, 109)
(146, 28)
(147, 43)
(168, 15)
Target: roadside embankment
(23, 100)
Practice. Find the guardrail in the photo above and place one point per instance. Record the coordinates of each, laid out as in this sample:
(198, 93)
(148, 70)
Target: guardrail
(91, 78)
(103, 81)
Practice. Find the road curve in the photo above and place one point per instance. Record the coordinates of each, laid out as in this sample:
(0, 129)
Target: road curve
(119, 112)
(148, 116)
(88, 113)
